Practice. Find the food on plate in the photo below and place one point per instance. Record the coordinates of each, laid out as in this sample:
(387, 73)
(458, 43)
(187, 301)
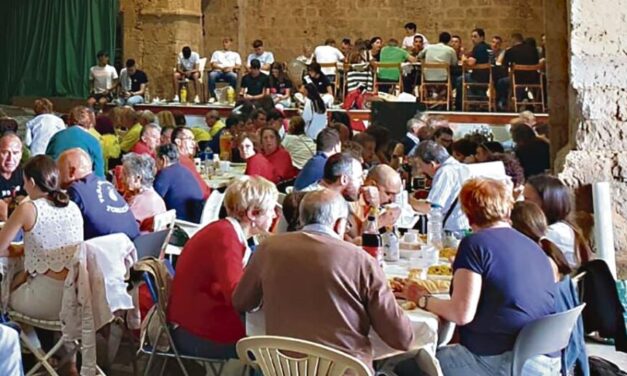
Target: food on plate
(408, 306)
(397, 284)
(416, 273)
(440, 270)
(434, 286)
(448, 253)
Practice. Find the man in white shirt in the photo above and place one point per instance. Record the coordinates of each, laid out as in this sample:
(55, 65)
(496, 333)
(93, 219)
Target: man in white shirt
(328, 54)
(438, 53)
(186, 68)
(42, 127)
(410, 33)
(224, 66)
(103, 79)
(265, 58)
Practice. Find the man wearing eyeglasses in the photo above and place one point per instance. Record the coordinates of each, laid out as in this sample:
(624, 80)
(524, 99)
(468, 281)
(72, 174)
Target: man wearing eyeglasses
(183, 138)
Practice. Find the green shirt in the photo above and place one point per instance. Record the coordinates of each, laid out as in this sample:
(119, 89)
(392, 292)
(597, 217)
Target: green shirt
(391, 54)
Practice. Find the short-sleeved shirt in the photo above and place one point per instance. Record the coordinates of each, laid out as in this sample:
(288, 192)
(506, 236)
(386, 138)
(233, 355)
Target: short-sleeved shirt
(227, 59)
(438, 53)
(102, 77)
(14, 184)
(321, 82)
(280, 87)
(180, 191)
(328, 55)
(408, 41)
(255, 85)
(517, 287)
(481, 53)
(190, 63)
(265, 58)
(138, 79)
(445, 188)
(312, 172)
(391, 54)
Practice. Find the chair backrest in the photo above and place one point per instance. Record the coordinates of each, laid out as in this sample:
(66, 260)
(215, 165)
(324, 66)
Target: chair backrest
(211, 210)
(164, 220)
(151, 244)
(544, 336)
(290, 356)
(438, 67)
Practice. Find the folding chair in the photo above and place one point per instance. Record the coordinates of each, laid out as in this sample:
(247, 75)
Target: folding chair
(479, 94)
(159, 294)
(211, 210)
(377, 83)
(431, 91)
(152, 244)
(527, 86)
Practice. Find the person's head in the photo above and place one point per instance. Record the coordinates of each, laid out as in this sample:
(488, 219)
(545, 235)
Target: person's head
(296, 126)
(270, 140)
(392, 42)
(346, 44)
(277, 71)
(211, 118)
(517, 38)
(345, 174)
(429, 155)
(342, 129)
(542, 130)
(166, 135)
(8, 124)
(79, 115)
(74, 164)
(179, 118)
(477, 36)
(487, 149)
(10, 153)
(130, 66)
(413, 125)
(410, 28)
(226, 43)
(258, 47)
(311, 92)
(150, 135)
(444, 37)
(513, 169)
(104, 125)
(138, 171)
(496, 43)
(146, 117)
(551, 195)
(187, 52)
(376, 43)
(419, 43)
(255, 67)
(103, 57)
(387, 181)
(130, 117)
(369, 146)
(485, 202)
(443, 136)
(531, 42)
(354, 149)
(456, 42)
(463, 149)
(41, 175)
(246, 144)
(183, 138)
(166, 119)
(167, 155)
(329, 42)
(275, 119)
(381, 136)
(522, 134)
(42, 106)
(259, 118)
(528, 118)
(314, 70)
(328, 141)
(252, 201)
(324, 207)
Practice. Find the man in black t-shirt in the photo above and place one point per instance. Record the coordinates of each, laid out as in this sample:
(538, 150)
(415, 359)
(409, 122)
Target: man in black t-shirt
(480, 55)
(255, 85)
(133, 84)
(11, 177)
(522, 54)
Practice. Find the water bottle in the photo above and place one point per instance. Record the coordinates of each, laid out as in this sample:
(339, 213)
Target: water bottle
(391, 251)
(206, 154)
(434, 226)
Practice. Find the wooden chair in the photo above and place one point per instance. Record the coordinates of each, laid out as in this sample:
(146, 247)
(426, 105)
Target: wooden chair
(486, 96)
(429, 88)
(377, 83)
(531, 88)
(336, 81)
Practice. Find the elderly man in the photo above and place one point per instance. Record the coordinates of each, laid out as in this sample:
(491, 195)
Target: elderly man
(148, 140)
(104, 210)
(183, 138)
(337, 292)
(448, 176)
(411, 137)
(77, 135)
(11, 177)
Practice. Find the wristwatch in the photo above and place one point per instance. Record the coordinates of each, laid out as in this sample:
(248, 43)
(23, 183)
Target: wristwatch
(422, 301)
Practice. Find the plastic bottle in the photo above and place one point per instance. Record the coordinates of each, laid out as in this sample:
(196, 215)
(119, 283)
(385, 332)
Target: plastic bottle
(391, 251)
(183, 93)
(206, 154)
(226, 143)
(434, 226)
(371, 240)
(230, 95)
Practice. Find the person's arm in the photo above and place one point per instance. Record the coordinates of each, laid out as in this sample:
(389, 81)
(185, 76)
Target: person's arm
(238, 63)
(215, 64)
(142, 90)
(22, 217)
(422, 54)
(91, 81)
(248, 293)
(288, 93)
(454, 59)
(231, 270)
(409, 58)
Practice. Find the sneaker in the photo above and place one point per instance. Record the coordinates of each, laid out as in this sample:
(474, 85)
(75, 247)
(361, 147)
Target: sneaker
(212, 100)
(175, 99)
(196, 100)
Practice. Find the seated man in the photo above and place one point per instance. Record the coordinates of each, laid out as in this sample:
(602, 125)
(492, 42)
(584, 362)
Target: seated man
(411, 139)
(337, 291)
(327, 143)
(177, 186)
(440, 53)
(520, 53)
(11, 178)
(392, 54)
(480, 55)
(328, 54)
(186, 68)
(255, 85)
(104, 210)
(224, 66)
(496, 50)
(183, 139)
(103, 80)
(133, 84)
(443, 135)
(265, 58)
(148, 141)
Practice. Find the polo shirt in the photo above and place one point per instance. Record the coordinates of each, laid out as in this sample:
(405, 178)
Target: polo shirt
(191, 167)
(14, 183)
(322, 82)
(392, 54)
(312, 172)
(141, 148)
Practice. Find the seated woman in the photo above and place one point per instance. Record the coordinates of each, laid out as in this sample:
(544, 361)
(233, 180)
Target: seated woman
(314, 111)
(280, 86)
(550, 194)
(53, 227)
(139, 174)
(256, 163)
(502, 281)
(211, 265)
(177, 186)
(300, 147)
(277, 155)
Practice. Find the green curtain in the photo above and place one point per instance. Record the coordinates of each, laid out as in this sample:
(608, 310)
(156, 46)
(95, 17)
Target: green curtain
(48, 46)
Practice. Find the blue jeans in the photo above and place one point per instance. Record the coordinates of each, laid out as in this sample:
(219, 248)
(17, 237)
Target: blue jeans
(216, 76)
(135, 99)
(189, 344)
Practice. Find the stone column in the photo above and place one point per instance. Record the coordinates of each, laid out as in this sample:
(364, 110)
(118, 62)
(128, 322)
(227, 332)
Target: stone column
(155, 32)
(597, 106)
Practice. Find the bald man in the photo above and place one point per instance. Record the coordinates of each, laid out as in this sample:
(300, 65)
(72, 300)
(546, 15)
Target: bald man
(11, 178)
(77, 135)
(104, 210)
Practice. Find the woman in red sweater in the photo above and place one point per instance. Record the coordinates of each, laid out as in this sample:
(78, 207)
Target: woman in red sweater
(209, 268)
(256, 163)
(277, 156)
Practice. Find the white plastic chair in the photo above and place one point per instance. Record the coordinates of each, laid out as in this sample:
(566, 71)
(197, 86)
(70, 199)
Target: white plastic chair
(211, 210)
(277, 356)
(164, 221)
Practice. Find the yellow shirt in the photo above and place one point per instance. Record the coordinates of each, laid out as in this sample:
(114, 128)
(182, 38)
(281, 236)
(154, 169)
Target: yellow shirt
(201, 134)
(110, 148)
(216, 127)
(95, 133)
(130, 138)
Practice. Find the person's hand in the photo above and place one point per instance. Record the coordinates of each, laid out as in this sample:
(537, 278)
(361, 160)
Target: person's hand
(370, 194)
(389, 217)
(127, 94)
(399, 151)
(413, 291)
(4, 210)
(248, 96)
(227, 69)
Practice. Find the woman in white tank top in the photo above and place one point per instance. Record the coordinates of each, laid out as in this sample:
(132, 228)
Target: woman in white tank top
(53, 229)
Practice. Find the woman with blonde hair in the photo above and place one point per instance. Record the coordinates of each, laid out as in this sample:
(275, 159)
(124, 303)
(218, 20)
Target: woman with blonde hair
(166, 119)
(211, 265)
